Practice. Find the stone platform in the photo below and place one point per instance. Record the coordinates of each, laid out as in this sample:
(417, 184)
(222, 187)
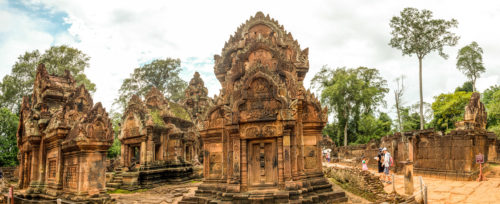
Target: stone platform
(150, 177)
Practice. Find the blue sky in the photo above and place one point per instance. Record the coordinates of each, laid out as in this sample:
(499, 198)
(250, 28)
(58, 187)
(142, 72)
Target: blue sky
(122, 35)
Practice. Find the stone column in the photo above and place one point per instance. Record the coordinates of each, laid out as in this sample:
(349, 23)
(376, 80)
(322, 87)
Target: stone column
(59, 172)
(21, 157)
(281, 181)
(142, 159)
(287, 174)
(300, 140)
(236, 158)
(34, 167)
(123, 155)
(244, 166)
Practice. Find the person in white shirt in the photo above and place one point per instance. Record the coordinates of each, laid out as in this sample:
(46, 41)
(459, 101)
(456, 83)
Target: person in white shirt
(386, 164)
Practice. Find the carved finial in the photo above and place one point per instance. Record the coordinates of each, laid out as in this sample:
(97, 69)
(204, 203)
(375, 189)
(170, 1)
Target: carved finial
(259, 14)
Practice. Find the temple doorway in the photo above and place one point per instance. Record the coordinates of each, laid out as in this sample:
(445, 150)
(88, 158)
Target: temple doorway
(262, 163)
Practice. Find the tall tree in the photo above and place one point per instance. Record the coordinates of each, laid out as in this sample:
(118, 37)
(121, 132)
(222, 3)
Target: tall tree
(161, 73)
(470, 62)
(349, 93)
(8, 140)
(398, 95)
(57, 59)
(416, 33)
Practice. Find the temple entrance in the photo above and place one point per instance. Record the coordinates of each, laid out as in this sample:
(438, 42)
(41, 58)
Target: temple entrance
(262, 163)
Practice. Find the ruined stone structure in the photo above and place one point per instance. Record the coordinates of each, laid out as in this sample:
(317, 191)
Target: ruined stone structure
(157, 138)
(451, 155)
(197, 102)
(475, 114)
(63, 140)
(261, 138)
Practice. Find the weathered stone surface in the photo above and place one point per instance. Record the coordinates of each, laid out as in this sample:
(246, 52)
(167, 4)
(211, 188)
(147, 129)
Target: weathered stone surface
(63, 139)
(197, 102)
(475, 114)
(158, 143)
(261, 137)
(450, 156)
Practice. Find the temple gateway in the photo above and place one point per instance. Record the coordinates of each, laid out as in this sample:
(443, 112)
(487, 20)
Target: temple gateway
(63, 140)
(261, 138)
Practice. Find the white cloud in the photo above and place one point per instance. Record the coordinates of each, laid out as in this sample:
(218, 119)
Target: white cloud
(121, 35)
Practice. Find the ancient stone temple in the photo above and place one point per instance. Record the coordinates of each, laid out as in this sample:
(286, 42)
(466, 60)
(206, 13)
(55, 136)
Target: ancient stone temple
(261, 138)
(196, 102)
(450, 156)
(157, 138)
(63, 140)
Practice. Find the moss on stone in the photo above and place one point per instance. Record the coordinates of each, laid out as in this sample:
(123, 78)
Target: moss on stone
(157, 119)
(179, 111)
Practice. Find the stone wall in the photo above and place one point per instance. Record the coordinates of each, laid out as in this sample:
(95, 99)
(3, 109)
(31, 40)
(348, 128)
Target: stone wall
(362, 183)
(450, 156)
(10, 174)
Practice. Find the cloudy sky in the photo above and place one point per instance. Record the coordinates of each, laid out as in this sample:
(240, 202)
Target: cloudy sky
(122, 35)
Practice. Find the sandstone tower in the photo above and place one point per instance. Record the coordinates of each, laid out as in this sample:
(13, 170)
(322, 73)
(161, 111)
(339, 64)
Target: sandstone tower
(63, 138)
(261, 138)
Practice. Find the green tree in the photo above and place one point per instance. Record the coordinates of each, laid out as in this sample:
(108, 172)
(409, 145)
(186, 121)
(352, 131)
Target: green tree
(57, 59)
(8, 139)
(115, 149)
(370, 127)
(349, 93)
(491, 100)
(466, 87)
(163, 74)
(470, 62)
(410, 116)
(449, 109)
(416, 33)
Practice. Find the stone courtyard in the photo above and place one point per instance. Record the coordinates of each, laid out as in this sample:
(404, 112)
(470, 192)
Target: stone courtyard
(264, 138)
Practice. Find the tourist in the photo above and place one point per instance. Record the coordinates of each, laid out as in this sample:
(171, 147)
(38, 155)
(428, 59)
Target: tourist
(386, 163)
(365, 164)
(379, 161)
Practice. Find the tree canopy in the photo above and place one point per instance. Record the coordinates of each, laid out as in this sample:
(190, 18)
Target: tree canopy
(449, 109)
(415, 32)
(350, 93)
(8, 140)
(57, 59)
(470, 62)
(466, 87)
(491, 100)
(161, 73)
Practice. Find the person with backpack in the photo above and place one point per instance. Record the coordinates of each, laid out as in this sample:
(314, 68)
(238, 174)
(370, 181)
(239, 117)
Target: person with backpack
(387, 163)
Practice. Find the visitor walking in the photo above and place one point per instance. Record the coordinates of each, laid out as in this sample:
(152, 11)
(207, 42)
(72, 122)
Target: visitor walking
(379, 161)
(386, 163)
(365, 162)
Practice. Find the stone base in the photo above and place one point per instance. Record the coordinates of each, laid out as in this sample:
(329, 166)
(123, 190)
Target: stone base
(150, 177)
(312, 190)
(448, 175)
(39, 198)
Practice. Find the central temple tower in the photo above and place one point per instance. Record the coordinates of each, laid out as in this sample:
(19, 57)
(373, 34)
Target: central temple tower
(261, 138)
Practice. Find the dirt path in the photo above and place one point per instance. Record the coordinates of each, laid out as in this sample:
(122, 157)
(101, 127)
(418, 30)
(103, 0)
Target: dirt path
(162, 194)
(449, 191)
